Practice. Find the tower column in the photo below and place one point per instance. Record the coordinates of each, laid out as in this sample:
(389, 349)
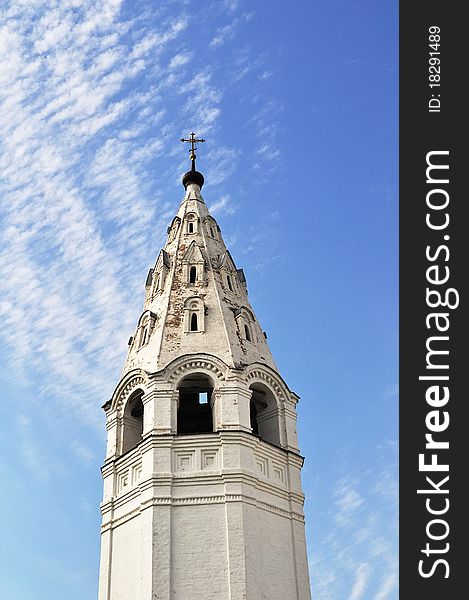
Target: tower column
(233, 406)
(112, 436)
(158, 403)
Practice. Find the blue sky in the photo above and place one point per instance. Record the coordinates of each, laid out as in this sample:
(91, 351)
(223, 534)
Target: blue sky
(298, 102)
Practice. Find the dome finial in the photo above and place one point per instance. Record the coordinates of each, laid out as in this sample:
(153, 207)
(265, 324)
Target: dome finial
(192, 140)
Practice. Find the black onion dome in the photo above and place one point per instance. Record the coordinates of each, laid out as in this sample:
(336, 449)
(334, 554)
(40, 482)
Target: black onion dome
(193, 176)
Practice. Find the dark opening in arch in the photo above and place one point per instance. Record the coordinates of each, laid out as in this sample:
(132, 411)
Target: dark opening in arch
(228, 278)
(194, 322)
(264, 414)
(247, 333)
(195, 408)
(193, 275)
(133, 421)
(253, 413)
(191, 228)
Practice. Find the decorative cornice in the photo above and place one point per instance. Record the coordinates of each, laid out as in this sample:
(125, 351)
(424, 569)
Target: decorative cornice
(127, 386)
(200, 500)
(196, 362)
(271, 378)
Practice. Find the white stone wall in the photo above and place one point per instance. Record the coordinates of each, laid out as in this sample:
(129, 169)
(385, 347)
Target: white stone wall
(199, 567)
(208, 517)
(126, 561)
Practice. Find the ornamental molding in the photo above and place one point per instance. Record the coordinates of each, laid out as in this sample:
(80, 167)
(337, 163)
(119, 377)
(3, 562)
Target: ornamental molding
(262, 374)
(132, 381)
(207, 363)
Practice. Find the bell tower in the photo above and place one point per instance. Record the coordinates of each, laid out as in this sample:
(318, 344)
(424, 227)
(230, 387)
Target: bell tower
(202, 490)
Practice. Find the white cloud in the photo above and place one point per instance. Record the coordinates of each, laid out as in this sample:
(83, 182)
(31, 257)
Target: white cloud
(361, 537)
(224, 34)
(227, 32)
(222, 206)
(362, 574)
(68, 279)
(392, 391)
(180, 59)
(347, 501)
(389, 585)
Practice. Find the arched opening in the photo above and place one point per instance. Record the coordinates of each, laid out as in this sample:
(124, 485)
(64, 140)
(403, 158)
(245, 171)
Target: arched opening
(194, 318)
(190, 228)
(247, 333)
(230, 285)
(195, 408)
(133, 421)
(212, 232)
(253, 413)
(264, 414)
(193, 275)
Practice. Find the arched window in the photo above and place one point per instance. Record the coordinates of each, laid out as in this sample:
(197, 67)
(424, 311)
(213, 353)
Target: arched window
(193, 275)
(172, 229)
(230, 285)
(195, 405)
(264, 414)
(191, 223)
(245, 321)
(146, 325)
(211, 227)
(194, 315)
(133, 421)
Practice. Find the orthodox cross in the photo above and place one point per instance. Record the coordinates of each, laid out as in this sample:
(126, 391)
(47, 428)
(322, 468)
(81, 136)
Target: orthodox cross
(192, 141)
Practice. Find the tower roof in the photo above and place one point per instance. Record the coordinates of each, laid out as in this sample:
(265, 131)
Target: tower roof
(195, 296)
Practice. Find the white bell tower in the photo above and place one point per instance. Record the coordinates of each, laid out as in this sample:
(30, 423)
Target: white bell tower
(202, 490)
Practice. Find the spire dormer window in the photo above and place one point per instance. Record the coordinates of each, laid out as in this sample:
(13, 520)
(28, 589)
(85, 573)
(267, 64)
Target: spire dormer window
(230, 285)
(245, 320)
(160, 272)
(211, 227)
(191, 223)
(194, 315)
(193, 265)
(193, 275)
(145, 328)
(173, 229)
